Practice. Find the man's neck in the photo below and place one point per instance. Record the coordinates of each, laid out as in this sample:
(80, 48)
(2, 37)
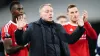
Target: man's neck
(13, 19)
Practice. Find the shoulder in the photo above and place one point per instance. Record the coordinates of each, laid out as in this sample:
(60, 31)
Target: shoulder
(6, 30)
(6, 27)
(30, 24)
(57, 25)
(67, 24)
(9, 25)
(33, 24)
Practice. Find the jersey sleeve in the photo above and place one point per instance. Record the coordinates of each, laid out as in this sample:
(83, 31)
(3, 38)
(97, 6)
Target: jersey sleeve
(90, 31)
(5, 32)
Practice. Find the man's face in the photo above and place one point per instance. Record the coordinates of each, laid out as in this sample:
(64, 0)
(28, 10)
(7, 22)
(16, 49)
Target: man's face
(46, 13)
(73, 14)
(17, 9)
(62, 21)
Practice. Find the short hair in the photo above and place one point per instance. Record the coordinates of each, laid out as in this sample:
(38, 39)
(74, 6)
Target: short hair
(70, 6)
(48, 4)
(61, 16)
(13, 3)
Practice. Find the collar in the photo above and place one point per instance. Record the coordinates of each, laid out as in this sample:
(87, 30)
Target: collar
(13, 22)
(47, 23)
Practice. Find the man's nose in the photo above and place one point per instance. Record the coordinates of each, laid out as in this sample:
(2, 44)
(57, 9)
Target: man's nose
(51, 13)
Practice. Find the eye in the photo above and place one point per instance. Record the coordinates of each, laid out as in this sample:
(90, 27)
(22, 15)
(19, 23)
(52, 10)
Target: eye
(47, 11)
(19, 8)
(76, 11)
(51, 11)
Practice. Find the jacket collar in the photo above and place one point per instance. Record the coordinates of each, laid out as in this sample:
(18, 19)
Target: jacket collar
(41, 21)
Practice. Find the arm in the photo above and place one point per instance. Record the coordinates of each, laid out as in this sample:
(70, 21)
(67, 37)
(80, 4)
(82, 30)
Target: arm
(23, 37)
(74, 36)
(9, 48)
(90, 31)
(8, 42)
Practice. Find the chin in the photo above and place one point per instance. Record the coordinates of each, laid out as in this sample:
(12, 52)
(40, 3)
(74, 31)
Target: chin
(49, 20)
(74, 19)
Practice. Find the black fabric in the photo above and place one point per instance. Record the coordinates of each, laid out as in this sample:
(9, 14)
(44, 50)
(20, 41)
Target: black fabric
(98, 50)
(92, 46)
(36, 36)
(52, 41)
(1, 47)
(2, 54)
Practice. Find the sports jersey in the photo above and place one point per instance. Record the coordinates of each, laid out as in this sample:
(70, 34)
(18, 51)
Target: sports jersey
(8, 30)
(80, 48)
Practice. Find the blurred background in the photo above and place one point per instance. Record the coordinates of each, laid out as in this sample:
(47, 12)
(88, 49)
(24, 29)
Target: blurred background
(31, 8)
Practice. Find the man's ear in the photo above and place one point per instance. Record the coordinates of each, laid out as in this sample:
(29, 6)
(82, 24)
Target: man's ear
(11, 12)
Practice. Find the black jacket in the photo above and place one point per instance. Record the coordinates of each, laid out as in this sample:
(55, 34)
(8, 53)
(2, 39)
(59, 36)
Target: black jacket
(1, 44)
(35, 35)
(1, 47)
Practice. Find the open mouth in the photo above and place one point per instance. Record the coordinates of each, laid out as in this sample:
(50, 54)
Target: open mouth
(50, 17)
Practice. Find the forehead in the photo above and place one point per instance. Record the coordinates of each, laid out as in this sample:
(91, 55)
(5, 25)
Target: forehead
(62, 18)
(73, 9)
(47, 8)
(17, 6)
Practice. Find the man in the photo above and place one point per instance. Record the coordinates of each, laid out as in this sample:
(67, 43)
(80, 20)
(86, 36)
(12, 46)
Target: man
(62, 19)
(11, 47)
(46, 38)
(1, 46)
(80, 48)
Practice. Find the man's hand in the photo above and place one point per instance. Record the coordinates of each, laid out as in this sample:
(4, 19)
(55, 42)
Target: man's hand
(21, 22)
(85, 16)
(80, 22)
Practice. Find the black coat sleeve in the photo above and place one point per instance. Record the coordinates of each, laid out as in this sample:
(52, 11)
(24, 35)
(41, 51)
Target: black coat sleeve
(74, 36)
(23, 37)
(1, 46)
